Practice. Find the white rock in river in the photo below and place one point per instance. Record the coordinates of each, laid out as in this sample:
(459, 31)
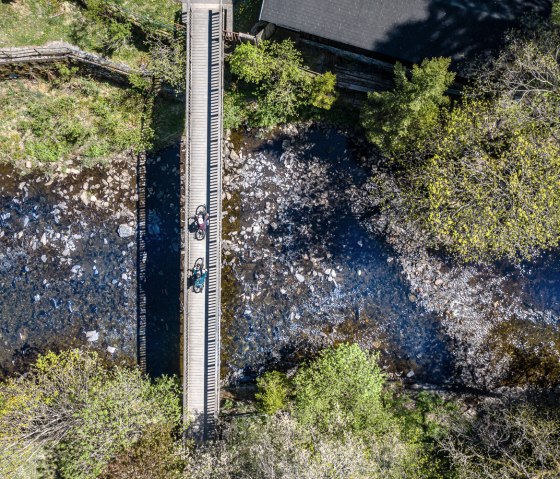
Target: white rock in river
(125, 231)
(300, 278)
(111, 349)
(92, 336)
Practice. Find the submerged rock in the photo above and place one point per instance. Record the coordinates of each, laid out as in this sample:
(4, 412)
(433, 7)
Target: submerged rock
(125, 231)
(92, 336)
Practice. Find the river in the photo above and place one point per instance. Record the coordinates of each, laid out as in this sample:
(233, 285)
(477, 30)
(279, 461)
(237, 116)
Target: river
(303, 269)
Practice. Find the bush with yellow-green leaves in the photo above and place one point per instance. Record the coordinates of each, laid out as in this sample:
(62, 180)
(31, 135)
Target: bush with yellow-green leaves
(482, 179)
(71, 415)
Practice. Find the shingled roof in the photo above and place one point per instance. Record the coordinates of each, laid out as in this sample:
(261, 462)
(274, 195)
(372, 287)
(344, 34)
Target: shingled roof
(406, 29)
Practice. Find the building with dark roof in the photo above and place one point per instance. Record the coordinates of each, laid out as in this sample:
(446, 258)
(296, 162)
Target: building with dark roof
(407, 30)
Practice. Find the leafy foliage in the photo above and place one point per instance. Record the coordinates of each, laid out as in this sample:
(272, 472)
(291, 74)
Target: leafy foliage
(274, 389)
(506, 442)
(130, 31)
(555, 15)
(345, 423)
(283, 90)
(157, 455)
(483, 180)
(76, 117)
(491, 187)
(397, 121)
(341, 390)
(79, 413)
(235, 111)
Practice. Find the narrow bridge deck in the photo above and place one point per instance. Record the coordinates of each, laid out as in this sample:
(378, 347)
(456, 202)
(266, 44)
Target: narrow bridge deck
(203, 186)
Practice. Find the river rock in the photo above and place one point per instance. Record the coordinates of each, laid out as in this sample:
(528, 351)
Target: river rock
(300, 277)
(125, 231)
(92, 336)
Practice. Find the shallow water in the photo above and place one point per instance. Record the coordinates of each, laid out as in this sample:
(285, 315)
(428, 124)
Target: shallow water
(302, 203)
(304, 270)
(310, 274)
(64, 271)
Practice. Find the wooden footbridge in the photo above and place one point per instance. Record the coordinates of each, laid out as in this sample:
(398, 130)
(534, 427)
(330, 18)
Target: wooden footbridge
(205, 21)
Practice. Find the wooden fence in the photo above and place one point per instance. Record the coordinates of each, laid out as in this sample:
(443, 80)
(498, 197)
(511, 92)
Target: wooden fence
(54, 52)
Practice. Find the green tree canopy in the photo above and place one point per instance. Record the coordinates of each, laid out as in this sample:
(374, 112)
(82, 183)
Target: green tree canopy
(282, 88)
(483, 179)
(398, 121)
(274, 389)
(491, 188)
(72, 414)
(341, 390)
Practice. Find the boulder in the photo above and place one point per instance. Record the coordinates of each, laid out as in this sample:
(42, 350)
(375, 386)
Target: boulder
(125, 231)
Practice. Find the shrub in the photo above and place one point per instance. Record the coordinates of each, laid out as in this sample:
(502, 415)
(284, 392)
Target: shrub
(79, 413)
(274, 389)
(491, 187)
(342, 390)
(76, 117)
(274, 75)
(506, 441)
(235, 110)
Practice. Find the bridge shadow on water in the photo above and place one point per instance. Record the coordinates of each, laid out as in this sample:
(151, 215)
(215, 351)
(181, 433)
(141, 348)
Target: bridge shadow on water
(159, 262)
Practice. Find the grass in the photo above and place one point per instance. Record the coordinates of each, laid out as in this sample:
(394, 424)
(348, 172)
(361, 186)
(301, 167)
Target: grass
(157, 11)
(45, 123)
(36, 22)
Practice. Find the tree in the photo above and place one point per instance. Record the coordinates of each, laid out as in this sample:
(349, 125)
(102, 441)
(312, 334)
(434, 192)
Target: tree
(344, 424)
(398, 121)
(483, 181)
(73, 415)
(555, 15)
(491, 187)
(282, 88)
(274, 389)
(278, 448)
(342, 390)
(506, 442)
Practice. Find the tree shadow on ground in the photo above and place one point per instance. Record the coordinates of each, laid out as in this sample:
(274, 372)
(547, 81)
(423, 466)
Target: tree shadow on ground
(460, 29)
